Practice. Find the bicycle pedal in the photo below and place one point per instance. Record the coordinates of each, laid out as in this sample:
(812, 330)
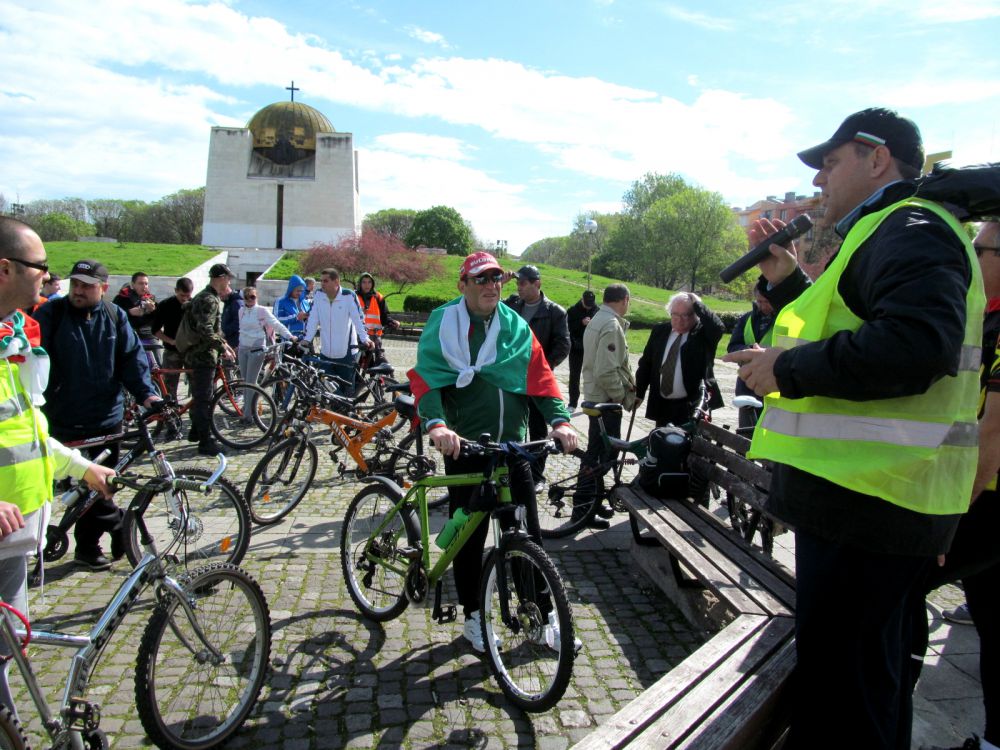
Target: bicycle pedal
(83, 711)
(409, 553)
(446, 614)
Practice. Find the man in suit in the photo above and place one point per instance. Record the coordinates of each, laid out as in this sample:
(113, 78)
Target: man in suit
(677, 357)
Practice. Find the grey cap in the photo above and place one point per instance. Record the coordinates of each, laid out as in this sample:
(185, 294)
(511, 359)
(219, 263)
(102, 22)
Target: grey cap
(528, 273)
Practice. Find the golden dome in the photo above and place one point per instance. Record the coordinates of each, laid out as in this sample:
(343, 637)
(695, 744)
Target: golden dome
(285, 132)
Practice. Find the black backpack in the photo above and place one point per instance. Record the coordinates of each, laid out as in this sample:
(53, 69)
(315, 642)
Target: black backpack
(663, 471)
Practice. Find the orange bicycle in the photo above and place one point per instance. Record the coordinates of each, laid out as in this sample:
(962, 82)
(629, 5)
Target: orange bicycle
(286, 472)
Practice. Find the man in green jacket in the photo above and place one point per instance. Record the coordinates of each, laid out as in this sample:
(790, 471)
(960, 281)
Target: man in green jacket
(203, 354)
(478, 367)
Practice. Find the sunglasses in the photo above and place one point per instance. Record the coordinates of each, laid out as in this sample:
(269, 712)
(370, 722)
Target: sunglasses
(31, 264)
(492, 278)
(250, 296)
(980, 249)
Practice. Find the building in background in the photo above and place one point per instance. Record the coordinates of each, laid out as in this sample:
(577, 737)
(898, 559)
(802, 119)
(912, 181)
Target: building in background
(286, 181)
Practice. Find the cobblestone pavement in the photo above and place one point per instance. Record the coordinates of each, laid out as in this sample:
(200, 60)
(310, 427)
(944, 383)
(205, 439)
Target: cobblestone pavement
(338, 680)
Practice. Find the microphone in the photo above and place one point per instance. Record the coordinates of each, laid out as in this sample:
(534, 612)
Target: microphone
(796, 228)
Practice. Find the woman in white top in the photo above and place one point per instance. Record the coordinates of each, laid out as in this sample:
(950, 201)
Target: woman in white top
(257, 328)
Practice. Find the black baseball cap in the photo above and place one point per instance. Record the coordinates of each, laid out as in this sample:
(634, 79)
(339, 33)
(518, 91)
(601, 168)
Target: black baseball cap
(89, 272)
(873, 127)
(528, 273)
(589, 296)
(219, 269)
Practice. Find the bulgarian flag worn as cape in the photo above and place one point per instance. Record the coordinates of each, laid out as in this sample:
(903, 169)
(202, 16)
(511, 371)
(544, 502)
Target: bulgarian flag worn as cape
(510, 358)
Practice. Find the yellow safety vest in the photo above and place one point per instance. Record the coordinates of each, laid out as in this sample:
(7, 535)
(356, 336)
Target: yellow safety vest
(25, 465)
(750, 339)
(918, 452)
(373, 316)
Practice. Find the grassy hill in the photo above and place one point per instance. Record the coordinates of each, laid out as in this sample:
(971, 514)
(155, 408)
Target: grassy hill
(559, 284)
(153, 259)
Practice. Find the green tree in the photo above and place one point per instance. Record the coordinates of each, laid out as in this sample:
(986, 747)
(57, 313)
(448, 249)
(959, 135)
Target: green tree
(60, 227)
(392, 222)
(695, 236)
(440, 226)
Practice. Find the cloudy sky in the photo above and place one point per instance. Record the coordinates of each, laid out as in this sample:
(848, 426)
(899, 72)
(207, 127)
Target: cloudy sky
(519, 114)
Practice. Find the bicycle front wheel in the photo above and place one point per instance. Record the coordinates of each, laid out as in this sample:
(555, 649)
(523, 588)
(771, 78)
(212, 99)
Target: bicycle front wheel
(281, 479)
(571, 496)
(217, 527)
(243, 415)
(371, 540)
(196, 682)
(527, 625)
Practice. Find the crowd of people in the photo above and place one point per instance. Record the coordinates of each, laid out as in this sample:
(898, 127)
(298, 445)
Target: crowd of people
(879, 382)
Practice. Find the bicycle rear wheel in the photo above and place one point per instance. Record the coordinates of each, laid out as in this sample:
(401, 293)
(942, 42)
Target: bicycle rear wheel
(236, 424)
(191, 693)
(527, 625)
(217, 529)
(374, 569)
(571, 496)
(281, 479)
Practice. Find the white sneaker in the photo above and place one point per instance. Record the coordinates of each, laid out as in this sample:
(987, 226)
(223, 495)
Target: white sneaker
(473, 633)
(550, 635)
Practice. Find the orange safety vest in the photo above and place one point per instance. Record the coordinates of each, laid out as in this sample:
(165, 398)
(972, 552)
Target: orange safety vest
(373, 314)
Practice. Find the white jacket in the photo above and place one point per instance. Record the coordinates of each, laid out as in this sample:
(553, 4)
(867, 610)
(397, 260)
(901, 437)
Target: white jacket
(256, 326)
(339, 321)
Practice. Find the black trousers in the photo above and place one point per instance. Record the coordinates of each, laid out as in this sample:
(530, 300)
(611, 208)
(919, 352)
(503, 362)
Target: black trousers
(468, 563)
(595, 454)
(201, 381)
(104, 516)
(974, 559)
(575, 366)
(675, 411)
(852, 631)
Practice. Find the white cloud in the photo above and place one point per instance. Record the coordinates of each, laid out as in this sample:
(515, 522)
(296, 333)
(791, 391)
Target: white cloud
(427, 37)
(702, 20)
(420, 144)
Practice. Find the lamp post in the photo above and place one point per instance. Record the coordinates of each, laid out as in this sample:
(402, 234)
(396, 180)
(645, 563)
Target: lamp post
(590, 227)
(501, 249)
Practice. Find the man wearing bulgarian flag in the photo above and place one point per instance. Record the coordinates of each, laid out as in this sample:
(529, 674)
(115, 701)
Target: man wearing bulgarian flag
(478, 366)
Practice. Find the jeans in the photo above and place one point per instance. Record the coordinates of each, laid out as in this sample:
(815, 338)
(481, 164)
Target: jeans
(250, 362)
(202, 379)
(14, 591)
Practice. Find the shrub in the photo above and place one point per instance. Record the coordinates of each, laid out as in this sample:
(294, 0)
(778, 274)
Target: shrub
(421, 303)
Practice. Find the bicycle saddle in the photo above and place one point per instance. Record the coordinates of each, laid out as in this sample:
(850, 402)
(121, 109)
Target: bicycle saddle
(595, 410)
(404, 405)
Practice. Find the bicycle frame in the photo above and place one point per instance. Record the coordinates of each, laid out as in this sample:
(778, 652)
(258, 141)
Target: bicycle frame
(366, 430)
(75, 712)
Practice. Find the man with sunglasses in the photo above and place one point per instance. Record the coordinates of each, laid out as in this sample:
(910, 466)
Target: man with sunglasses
(478, 368)
(30, 458)
(872, 387)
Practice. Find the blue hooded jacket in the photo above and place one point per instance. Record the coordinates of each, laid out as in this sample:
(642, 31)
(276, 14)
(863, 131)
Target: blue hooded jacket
(286, 308)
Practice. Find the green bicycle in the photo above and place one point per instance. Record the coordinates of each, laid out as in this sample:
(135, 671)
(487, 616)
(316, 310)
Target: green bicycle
(527, 625)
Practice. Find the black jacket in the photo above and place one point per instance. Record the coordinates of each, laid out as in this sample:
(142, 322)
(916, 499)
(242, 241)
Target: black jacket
(697, 361)
(574, 318)
(92, 355)
(548, 325)
(760, 324)
(908, 284)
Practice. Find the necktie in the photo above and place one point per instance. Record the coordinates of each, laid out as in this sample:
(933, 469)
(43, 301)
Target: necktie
(669, 367)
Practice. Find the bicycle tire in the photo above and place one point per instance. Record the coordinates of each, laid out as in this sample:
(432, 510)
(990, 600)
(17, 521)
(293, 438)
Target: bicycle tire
(280, 480)
(378, 591)
(531, 663)
(564, 508)
(234, 428)
(198, 703)
(218, 524)
(377, 411)
(12, 736)
(437, 497)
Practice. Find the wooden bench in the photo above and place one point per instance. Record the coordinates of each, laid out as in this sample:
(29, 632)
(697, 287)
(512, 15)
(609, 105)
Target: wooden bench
(730, 693)
(410, 324)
